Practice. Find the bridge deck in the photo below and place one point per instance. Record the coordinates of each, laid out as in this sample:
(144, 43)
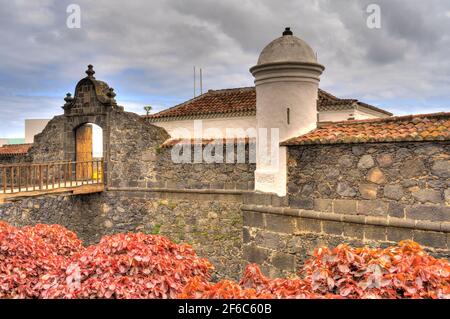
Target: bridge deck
(88, 187)
(30, 180)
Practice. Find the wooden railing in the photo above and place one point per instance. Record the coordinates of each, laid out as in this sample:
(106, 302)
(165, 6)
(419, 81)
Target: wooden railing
(31, 177)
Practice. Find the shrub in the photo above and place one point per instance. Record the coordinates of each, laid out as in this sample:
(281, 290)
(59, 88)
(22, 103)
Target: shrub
(28, 253)
(127, 266)
(403, 271)
(48, 261)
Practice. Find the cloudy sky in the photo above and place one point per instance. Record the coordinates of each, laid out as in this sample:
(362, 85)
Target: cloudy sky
(146, 50)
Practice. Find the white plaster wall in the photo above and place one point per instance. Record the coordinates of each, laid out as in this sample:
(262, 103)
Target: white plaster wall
(273, 100)
(280, 87)
(218, 124)
(363, 115)
(337, 116)
(276, 117)
(33, 127)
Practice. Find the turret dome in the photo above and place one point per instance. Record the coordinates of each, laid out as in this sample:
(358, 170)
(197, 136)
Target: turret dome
(287, 48)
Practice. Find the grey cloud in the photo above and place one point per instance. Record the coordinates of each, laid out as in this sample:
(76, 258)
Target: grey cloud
(146, 49)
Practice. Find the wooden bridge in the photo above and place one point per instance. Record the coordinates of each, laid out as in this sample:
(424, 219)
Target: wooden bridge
(36, 179)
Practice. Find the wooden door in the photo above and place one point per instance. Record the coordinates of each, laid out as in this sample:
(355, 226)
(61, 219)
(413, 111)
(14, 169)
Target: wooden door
(84, 152)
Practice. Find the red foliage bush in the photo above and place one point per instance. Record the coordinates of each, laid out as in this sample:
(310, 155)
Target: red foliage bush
(253, 285)
(127, 266)
(403, 271)
(48, 261)
(30, 252)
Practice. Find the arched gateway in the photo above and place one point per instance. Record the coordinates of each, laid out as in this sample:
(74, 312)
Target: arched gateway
(91, 104)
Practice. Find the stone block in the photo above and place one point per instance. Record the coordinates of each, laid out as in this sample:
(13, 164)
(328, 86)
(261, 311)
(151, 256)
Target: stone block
(307, 190)
(427, 196)
(269, 240)
(394, 192)
(332, 228)
(263, 199)
(172, 184)
(248, 198)
(398, 234)
(385, 160)
(254, 254)
(303, 203)
(366, 162)
(441, 168)
(430, 239)
(324, 189)
(368, 191)
(375, 175)
(280, 201)
(353, 230)
(323, 205)
(293, 188)
(242, 186)
(372, 232)
(345, 206)
(396, 210)
(217, 185)
(358, 150)
(344, 189)
(332, 172)
(280, 223)
(157, 184)
(253, 219)
(309, 225)
(346, 161)
(428, 212)
(133, 184)
(284, 261)
(413, 168)
(230, 186)
(373, 207)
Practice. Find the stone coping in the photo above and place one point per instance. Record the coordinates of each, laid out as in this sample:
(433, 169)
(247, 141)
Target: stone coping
(356, 219)
(177, 190)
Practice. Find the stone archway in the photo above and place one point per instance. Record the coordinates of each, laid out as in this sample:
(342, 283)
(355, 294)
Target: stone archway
(92, 102)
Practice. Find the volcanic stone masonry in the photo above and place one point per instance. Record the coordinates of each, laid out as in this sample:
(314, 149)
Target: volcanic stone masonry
(210, 222)
(409, 180)
(361, 194)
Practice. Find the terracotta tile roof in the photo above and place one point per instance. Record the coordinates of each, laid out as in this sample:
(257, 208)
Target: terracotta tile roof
(173, 141)
(14, 149)
(242, 101)
(422, 127)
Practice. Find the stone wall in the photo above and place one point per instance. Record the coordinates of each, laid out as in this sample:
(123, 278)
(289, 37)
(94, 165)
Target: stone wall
(208, 220)
(134, 156)
(138, 160)
(133, 150)
(405, 180)
(49, 145)
(281, 239)
(238, 176)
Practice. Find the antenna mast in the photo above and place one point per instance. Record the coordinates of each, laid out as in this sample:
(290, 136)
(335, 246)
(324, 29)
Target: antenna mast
(194, 82)
(201, 81)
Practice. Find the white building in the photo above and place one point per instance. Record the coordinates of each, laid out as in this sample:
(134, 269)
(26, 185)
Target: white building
(33, 127)
(286, 101)
(236, 108)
